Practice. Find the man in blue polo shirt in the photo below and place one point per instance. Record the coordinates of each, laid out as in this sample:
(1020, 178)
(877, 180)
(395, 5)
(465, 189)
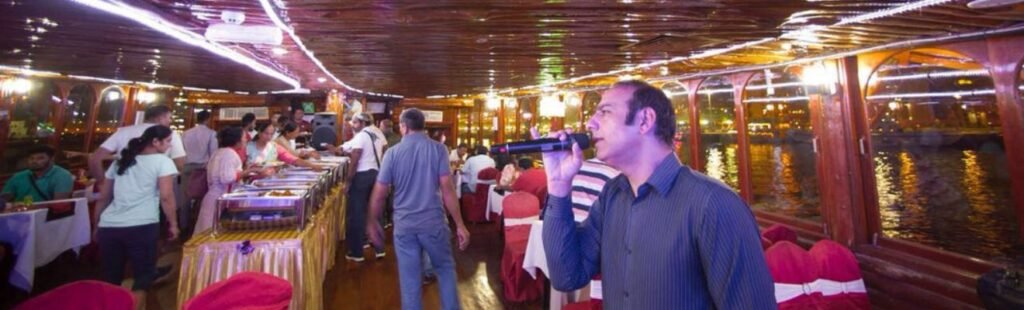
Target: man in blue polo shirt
(417, 169)
(42, 180)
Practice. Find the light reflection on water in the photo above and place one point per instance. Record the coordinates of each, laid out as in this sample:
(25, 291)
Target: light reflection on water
(949, 198)
(954, 199)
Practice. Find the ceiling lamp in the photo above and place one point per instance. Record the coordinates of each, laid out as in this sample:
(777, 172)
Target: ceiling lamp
(233, 31)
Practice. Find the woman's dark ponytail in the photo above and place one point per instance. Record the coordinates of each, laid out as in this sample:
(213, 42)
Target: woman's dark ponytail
(135, 146)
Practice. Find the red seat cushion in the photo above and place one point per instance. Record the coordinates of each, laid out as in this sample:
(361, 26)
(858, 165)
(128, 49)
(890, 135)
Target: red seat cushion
(245, 290)
(779, 232)
(790, 264)
(84, 295)
(837, 263)
(520, 205)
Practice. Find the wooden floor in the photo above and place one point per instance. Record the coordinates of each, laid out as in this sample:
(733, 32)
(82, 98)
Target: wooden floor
(372, 284)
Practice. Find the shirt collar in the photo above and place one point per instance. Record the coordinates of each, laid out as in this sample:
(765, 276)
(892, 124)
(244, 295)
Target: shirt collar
(663, 178)
(416, 135)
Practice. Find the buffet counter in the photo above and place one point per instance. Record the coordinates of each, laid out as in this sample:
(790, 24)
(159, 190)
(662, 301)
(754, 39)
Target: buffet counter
(300, 256)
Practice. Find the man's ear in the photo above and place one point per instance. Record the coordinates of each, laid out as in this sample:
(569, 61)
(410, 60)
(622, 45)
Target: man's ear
(647, 118)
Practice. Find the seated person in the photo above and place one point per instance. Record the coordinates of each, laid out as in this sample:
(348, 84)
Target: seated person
(286, 140)
(473, 166)
(42, 181)
(532, 180)
(512, 172)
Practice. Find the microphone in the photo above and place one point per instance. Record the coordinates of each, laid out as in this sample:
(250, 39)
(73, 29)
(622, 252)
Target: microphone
(542, 145)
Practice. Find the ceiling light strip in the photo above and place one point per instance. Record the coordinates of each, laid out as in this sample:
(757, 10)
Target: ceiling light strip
(715, 52)
(159, 24)
(51, 74)
(268, 8)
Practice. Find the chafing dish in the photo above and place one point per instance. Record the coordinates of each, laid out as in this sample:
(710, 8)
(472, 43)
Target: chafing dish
(263, 209)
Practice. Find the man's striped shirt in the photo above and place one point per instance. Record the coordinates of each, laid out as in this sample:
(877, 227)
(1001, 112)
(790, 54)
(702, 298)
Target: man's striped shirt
(587, 184)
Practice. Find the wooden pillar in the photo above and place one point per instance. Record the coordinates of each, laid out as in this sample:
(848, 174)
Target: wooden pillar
(131, 105)
(739, 83)
(840, 138)
(500, 114)
(694, 133)
(63, 91)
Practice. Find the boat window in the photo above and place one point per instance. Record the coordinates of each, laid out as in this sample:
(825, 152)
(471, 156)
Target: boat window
(32, 106)
(783, 171)
(512, 118)
(681, 105)
(718, 148)
(940, 163)
(76, 125)
(109, 114)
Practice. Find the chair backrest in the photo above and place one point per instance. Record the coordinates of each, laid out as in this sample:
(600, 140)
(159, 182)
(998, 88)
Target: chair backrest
(794, 271)
(779, 232)
(839, 279)
(517, 205)
(85, 294)
(489, 173)
(245, 290)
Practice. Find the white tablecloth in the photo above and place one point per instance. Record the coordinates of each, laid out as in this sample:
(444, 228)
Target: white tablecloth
(535, 259)
(458, 184)
(494, 201)
(37, 242)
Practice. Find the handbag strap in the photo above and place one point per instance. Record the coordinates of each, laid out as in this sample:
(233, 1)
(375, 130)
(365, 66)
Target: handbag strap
(373, 145)
(32, 180)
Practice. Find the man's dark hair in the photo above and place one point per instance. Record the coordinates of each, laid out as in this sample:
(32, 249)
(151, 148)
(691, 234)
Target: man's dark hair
(525, 163)
(413, 119)
(647, 96)
(463, 146)
(202, 116)
(248, 118)
(157, 111)
(283, 119)
(41, 149)
(481, 150)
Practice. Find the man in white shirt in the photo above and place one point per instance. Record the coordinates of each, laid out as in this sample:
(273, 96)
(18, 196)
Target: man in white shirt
(200, 143)
(473, 166)
(458, 155)
(111, 148)
(367, 152)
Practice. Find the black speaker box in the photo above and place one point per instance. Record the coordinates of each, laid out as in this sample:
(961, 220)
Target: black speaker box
(324, 130)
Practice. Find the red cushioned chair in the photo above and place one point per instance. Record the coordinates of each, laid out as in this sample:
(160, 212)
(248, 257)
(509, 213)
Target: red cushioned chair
(840, 280)
(474, 205)
(779, 232)
(83, 295)
(794, 272)
(520, 210)
(245, 290)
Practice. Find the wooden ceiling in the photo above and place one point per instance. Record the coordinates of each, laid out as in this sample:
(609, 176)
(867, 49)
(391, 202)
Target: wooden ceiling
(423, 48)
(71, 38)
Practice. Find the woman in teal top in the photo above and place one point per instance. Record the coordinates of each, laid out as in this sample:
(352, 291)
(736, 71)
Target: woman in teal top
(137, 186)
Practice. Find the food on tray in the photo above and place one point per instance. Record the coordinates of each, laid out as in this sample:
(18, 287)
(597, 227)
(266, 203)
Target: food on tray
(280, 193)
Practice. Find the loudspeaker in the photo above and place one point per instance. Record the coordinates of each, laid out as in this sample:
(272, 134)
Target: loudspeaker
(324, 130)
